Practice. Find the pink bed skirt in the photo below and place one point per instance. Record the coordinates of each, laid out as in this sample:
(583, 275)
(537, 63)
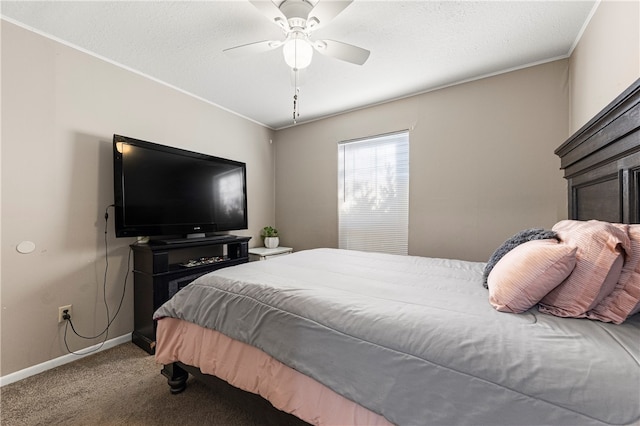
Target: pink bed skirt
(252, 370)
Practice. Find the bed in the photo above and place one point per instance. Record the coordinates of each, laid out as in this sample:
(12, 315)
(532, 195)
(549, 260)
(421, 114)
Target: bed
(346, 337)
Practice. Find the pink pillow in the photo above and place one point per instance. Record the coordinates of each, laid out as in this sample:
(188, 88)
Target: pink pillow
(528, 272)
(610, 282)
(600, 245)
(624, 300)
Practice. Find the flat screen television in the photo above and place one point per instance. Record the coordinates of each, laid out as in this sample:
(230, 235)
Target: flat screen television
(164, 191)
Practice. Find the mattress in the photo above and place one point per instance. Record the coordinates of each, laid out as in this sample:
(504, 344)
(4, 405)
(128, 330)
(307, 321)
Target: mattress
(415, 340)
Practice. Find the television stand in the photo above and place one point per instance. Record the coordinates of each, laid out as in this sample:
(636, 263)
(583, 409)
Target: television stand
(212, 238)
(161, 270)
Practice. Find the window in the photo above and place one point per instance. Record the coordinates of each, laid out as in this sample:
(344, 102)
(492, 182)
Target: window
(373, 193)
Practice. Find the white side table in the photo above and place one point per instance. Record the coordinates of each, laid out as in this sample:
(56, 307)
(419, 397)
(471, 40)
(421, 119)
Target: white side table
(263, 253)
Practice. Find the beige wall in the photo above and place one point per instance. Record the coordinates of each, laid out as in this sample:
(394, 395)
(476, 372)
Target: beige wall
(606, 61)
(60, 108)
(482, 162)
(482, 165)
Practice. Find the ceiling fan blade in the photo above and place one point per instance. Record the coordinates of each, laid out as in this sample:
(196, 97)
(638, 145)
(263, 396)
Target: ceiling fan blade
(251, 48)
(343, 51)
(324, 12)
(271, 11)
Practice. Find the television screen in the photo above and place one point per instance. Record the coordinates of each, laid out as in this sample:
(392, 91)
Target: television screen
(163, 191)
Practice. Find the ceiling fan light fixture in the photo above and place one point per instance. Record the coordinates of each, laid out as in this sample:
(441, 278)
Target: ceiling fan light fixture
(297, 53)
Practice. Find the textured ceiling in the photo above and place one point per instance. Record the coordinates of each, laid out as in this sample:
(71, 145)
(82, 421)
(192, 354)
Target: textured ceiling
(415, 46)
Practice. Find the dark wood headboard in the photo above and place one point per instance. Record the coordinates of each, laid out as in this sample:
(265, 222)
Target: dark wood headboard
(601, 163)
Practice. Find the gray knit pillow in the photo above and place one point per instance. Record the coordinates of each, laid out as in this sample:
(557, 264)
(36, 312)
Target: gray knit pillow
(513, 242)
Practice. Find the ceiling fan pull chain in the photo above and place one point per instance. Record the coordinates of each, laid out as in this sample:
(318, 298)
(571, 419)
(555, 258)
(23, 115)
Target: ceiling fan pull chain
(295, 98)
(296, 114)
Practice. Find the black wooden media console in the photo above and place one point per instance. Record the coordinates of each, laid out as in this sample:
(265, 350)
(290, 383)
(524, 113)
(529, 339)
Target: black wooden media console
(161, 270)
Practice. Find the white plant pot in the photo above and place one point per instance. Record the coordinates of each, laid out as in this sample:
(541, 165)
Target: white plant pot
(271, 242)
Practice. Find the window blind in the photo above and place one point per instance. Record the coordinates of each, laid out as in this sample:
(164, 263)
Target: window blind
(373, 193)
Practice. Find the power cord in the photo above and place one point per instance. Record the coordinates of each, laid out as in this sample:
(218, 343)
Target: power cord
(105, 332)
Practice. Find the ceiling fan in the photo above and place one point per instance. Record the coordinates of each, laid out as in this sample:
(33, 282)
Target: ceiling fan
(298, 19)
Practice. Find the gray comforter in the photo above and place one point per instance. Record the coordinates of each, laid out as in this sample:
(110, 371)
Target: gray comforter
(415, 339)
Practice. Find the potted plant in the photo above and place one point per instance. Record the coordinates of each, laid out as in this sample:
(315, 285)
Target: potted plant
(270, 236)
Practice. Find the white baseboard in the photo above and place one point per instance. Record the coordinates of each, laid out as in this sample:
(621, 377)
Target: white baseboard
(65, 359)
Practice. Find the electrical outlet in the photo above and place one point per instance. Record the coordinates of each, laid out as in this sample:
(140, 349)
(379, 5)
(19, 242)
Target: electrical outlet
(61, 310)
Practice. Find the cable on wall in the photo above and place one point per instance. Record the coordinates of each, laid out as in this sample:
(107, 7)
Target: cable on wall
(105, 332)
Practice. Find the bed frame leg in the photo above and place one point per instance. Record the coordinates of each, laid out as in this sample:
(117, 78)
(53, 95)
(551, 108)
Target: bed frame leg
(176, 377)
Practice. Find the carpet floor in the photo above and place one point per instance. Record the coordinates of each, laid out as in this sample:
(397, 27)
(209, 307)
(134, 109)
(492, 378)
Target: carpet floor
(123, 386)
